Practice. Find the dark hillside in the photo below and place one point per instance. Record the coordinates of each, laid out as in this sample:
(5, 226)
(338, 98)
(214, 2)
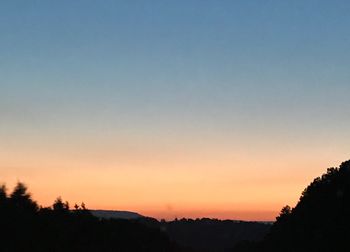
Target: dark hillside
(27, 227)
(319, 222)
(212, 234)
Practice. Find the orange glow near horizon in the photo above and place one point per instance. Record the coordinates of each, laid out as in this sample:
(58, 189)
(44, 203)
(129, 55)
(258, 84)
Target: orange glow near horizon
(192, 182)
(223, 109)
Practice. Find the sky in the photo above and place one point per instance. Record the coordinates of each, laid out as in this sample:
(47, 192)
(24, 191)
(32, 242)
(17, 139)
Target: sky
(223, 109)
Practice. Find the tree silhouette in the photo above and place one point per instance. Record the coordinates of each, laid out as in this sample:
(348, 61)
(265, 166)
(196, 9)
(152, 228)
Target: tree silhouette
(319, 222)
(3, 199)
(59, 206)
(22, 200)
(3, 195)
(3, 192)
(26, 227)
(284, 214)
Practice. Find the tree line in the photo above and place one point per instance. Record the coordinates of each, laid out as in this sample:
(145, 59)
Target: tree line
(318, 223)
(26, 226)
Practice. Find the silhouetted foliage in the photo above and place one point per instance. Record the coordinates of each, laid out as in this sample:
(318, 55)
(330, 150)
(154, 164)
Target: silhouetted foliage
(3, 192)
(213, 235)
(319, 222)
(59, 206)
(26, 227)
(22, 200)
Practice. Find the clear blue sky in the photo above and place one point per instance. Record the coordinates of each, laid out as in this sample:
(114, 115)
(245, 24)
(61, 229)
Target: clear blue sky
(167, 59)
(271, 74)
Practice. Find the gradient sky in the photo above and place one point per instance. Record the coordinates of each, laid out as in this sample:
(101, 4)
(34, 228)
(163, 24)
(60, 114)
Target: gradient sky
(223, 109)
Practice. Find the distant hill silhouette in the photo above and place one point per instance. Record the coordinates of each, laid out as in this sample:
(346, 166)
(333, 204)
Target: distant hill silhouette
(202, 234)
(114, 214)
(212, 235)
(319, 222)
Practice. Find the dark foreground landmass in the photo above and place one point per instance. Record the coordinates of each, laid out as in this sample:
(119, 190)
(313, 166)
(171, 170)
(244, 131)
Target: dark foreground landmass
(319, 222)
(27, 227)
(201, 234)
(213, 235)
